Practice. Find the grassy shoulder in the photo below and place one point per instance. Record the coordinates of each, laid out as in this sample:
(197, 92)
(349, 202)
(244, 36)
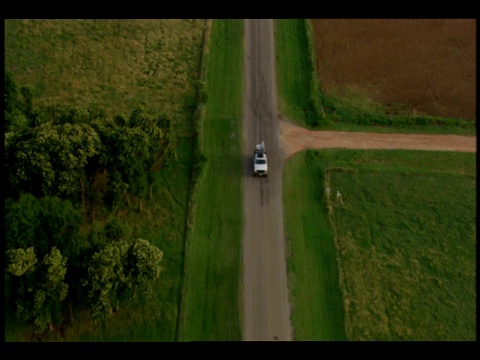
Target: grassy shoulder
(405, 231)
(211, 305)
(294, 71)
(302, 100)
(317, 312)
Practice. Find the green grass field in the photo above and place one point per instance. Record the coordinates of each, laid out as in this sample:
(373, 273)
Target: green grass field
(211, 305)
(116, 64)
(405, 236)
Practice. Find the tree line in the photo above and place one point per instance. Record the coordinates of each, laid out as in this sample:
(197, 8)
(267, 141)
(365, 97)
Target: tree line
(61, 166)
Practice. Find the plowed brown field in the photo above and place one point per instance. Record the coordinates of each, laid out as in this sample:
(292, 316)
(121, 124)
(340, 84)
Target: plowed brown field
(426, 65)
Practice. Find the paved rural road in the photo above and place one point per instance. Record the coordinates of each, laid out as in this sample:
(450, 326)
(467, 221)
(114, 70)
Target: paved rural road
(267, 309)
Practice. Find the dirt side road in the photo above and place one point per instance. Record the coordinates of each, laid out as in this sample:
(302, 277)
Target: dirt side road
(266, 307)
(295, 138)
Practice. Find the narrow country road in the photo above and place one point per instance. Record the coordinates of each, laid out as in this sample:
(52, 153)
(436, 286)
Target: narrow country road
(267, 310)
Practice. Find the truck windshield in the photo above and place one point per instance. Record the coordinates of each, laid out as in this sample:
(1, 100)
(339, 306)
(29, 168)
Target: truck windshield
(260, 161)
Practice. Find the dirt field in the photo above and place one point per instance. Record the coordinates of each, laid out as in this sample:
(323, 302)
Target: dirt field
(427, 65)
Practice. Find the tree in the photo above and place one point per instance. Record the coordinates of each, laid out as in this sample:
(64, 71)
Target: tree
(42, 287)
(60, 225)
(132, 150)
(106, 276)
(124, 159)
(11, 93)
(114, 230)
(21, 261)
(52, 290)
(159, 146)
(118, 267)
(21, 264)
(18, 105)
(144, 264)
(13, 116)
(21, 222)
(50, 159)
(116, 188)
(27, 100)
(43, 223)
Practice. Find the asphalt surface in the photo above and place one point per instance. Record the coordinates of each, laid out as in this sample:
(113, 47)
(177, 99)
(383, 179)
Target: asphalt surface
(267, 310)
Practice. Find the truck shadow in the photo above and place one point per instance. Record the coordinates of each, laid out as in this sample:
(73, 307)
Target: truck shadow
(247, 165)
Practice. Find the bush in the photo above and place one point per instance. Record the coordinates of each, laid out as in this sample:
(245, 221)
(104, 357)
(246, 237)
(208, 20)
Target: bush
(114, 230)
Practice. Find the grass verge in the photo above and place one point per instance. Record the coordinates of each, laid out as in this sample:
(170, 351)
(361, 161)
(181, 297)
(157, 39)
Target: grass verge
(312, 266)
(294, 72)
(211, 307)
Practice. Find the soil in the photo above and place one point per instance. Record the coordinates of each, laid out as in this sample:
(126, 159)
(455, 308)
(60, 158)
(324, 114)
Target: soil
(423, 66)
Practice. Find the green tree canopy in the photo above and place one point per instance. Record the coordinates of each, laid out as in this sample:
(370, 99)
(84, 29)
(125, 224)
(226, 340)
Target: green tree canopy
(135, 149)
(106, 275)
(42, 223)
(52, 290)
(120, 266)
(20, 261)
(42, 288)
(144, 263)
(50, 159)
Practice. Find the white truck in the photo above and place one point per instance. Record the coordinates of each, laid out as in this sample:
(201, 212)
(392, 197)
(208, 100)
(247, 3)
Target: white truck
(260, 163)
